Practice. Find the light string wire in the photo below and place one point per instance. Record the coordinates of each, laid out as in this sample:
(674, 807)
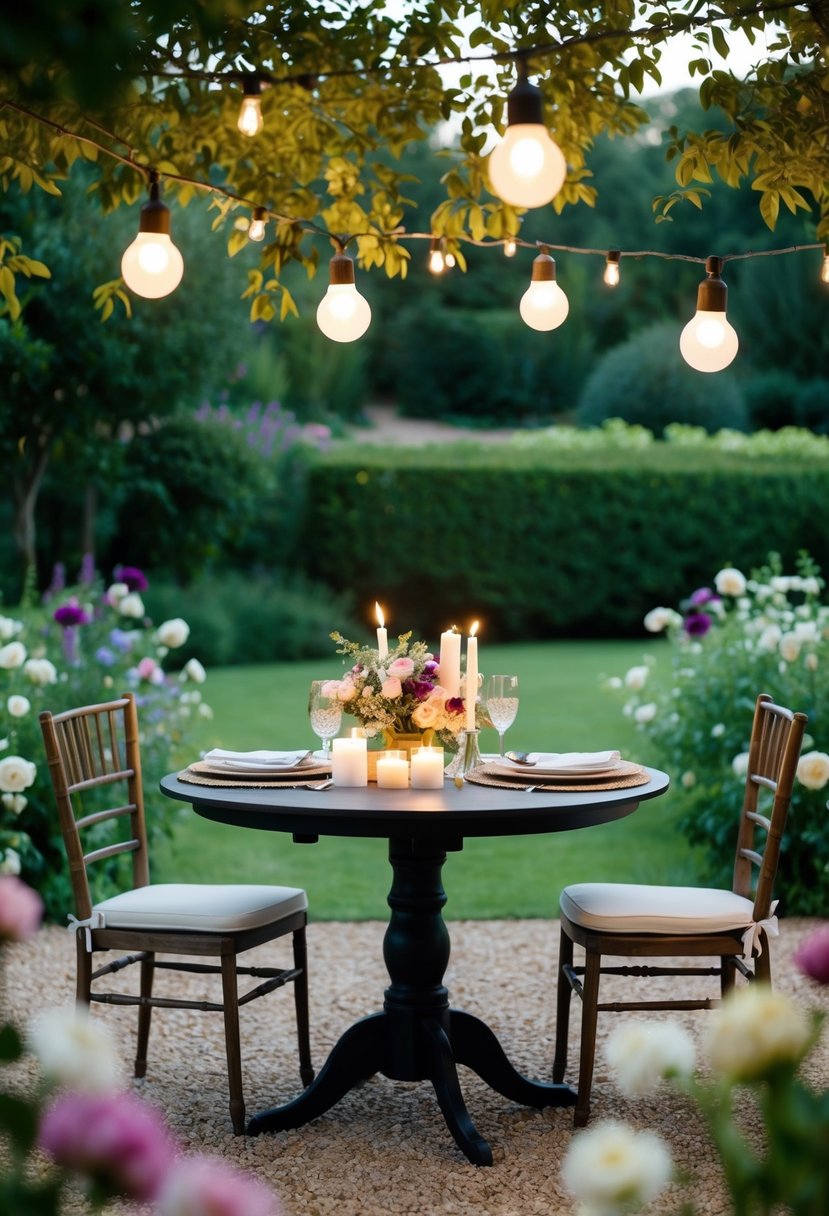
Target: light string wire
(397, 235)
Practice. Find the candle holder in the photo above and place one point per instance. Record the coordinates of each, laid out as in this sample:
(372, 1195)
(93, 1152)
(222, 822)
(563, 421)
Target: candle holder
(467, 756)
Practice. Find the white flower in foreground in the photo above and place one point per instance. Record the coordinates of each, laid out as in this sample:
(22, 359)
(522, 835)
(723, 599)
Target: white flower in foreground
(16, 774)
(730, 582)
(753, 1030)
(131, 605)
(194, 671)
(117, 592)
(645, 713)
(10, 862)
(75, 1052)
(612, 1169)
(643, 1054)
(740, 764)
(813, 770)
(14, 802)
(40, 671)
(173, 633)
(660, 619)
(13, 654)
(636, 677)
(18, 706)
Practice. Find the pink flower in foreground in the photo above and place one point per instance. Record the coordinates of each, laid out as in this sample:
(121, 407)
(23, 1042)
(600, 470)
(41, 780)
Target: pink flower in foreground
(116, 1140)
(200, 1186)
(21, 909)
(813, 956)
(402, 668)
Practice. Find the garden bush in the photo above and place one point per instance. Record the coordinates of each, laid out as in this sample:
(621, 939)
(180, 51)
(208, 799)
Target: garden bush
(644, 380)
(811, 406)
(80, 646)
(730, 641)
(770, 398)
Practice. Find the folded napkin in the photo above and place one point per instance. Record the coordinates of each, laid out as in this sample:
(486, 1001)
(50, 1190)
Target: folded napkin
(259, 760)
(565, 764)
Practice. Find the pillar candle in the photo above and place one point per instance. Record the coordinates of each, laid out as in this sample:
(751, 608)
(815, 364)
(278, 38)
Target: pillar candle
(382, 634)
(471, 676)
(349, 761)
(450, 662)
(393, 770)
(427, 768)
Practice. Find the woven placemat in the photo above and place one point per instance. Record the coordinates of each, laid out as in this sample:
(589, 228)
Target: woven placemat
(632, 775)
(261, 783)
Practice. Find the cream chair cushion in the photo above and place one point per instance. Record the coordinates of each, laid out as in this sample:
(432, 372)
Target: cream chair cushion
(629, 908)
(200, 908)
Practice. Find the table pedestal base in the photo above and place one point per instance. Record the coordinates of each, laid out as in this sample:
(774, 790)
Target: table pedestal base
(417, 1037)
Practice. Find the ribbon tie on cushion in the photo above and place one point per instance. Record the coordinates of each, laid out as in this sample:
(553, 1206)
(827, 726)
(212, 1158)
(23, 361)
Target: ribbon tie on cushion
(96, 921)
(753, 936)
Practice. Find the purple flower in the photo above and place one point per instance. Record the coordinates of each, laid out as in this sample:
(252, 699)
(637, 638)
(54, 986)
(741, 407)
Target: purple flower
(134, 578)
(58, 582)
(697, 624)
(455, 705)
(418, 688)
(21, 909)
(701, 596)
(430, 667)
(116, 1140)
(813, 956)
(105, 656)
(121, 640)
(199, 1185)
(70, 614)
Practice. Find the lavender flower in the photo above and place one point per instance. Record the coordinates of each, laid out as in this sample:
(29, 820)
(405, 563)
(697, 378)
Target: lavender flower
(121, 640)
(105, 656)
(86, 577)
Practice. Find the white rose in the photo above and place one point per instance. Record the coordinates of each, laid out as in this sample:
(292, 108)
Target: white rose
(645, 713)
(116, 592)
(769, 639)
(9, 627)
(781, 583)
(636, 677)
(131, 605)
(642, 1054)
(194, 671)
(688, 779)
(205, 711)
(613, 682)
(810, 585)
(173, 633)
(813, 770)
(790, 647)
(10, 862)
(75, 1052)
(16, 774)
(13, 654)
(811, 662)
(659, 619)
(718, 730)
(753, 1030)
(740, 764)
(18, 706)
(40, 671)
(611, 1168)
(807, 631)
(426, 714)
(730, 582)
(14, 802)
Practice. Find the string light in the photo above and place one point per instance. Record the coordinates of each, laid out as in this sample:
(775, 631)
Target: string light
(437, 262)
(256, 231)
(250, 115)
(343, 314)
(450, 260)
(526, 169)
(708, 343)
(152, 266)
(611, 270)
(544, 305)
(510, 247)
(824, 270)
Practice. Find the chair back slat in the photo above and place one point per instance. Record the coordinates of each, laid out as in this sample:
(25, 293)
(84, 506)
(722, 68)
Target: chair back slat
(776, 740)
(95, 748)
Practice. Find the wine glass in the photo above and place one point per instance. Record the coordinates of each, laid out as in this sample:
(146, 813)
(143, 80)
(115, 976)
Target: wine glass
(501, 699)
(326, 714)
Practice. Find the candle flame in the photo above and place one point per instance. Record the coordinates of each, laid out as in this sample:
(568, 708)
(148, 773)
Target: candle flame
(380, 620)
(473, 629)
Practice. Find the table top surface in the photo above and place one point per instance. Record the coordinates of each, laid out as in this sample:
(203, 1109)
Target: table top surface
(473, 810)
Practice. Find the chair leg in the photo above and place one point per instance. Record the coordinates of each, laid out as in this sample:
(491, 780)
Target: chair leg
(563, 995)
(762, 964)
(728, 974)
(144, 1013)
(306, 1068)
(233, 1047)
(83, 972)
(589, 1018)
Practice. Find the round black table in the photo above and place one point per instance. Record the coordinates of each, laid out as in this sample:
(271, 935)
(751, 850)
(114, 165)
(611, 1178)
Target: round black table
(417, 1036)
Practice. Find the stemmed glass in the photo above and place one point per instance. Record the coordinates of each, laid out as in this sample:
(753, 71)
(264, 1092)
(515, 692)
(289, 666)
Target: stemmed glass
(326, 714)
(501, 699)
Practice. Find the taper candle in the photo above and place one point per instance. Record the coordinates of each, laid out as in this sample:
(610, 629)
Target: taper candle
(449, 662)
(471, 676)
(382, 634)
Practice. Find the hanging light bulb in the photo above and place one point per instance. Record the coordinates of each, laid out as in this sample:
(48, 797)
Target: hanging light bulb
(256, 230)
(437, 262)
(708, 343)
(544, 305)
(449, 260)
(343, 314)
(152, 266)
(510, 246)
(250, 115)
(527, 169)
(824, 270)
(611, 270)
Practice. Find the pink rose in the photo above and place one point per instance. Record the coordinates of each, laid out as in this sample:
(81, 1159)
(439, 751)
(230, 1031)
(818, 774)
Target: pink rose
(331, 688)
(198, 1186)
(347, 691)
(392, 688)
(813, 956)
(146, 668)
(402, 668)
(21, 909)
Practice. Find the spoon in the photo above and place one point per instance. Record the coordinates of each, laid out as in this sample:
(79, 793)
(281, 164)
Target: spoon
(519, 758)
(321, 785)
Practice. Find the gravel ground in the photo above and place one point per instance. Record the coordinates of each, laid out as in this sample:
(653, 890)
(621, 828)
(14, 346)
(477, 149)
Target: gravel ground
(384, 1148)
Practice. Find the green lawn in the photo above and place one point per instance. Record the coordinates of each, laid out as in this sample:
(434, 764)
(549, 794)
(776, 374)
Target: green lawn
(563, 707)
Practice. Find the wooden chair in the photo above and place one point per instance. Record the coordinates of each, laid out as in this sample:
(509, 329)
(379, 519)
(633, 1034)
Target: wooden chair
(96, 748)
(632, 921)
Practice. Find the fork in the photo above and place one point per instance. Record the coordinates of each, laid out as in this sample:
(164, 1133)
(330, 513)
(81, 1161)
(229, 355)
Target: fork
(321, 785)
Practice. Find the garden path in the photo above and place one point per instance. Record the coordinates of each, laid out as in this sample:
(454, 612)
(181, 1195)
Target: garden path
(386, 426)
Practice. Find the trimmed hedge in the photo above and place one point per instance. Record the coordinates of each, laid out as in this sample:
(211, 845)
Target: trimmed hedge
(551, 544)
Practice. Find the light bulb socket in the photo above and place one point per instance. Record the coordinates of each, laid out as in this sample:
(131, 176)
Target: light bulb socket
(155, 215)
(525, 103)
(260, 213)
(251, 85)
(340, 270)
(712, 293)
(544, 269)
(614, 257)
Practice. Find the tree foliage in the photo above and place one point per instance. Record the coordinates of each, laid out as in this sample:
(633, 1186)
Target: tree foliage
(348, 87)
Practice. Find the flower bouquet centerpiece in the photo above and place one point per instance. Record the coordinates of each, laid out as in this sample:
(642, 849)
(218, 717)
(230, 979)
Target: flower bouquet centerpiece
(398, 696)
